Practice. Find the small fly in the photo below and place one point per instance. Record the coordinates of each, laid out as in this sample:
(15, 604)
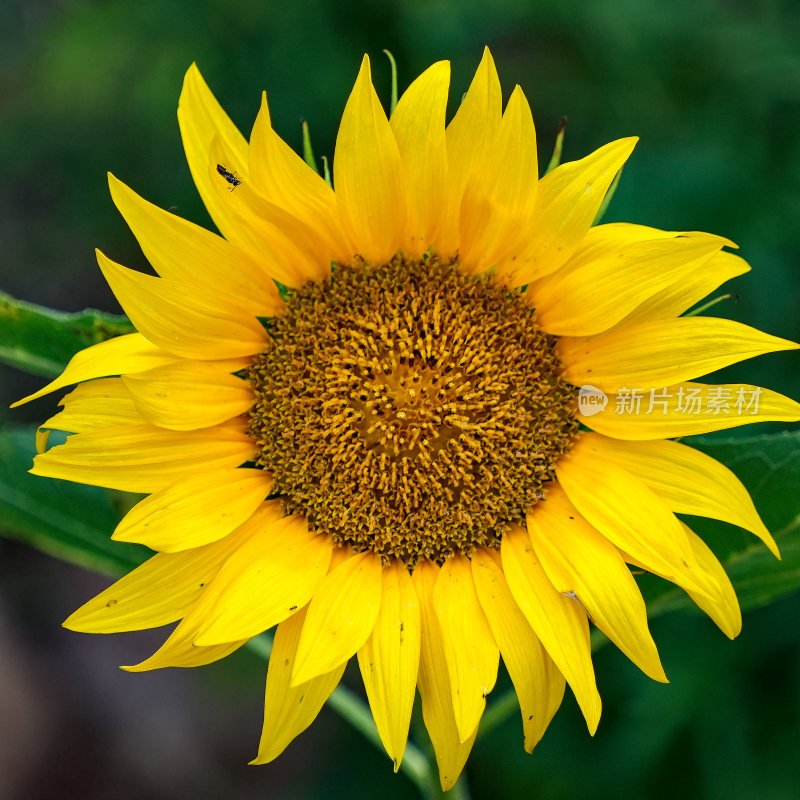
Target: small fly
(229, 176)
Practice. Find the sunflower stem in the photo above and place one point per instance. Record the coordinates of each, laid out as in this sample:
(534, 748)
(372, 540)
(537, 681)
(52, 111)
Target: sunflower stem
(498, 712)
(348, 705)
(260, 645)
(459, 790)
(414, 764)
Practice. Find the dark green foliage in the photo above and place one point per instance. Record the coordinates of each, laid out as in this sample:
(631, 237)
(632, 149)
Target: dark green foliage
(712, 88)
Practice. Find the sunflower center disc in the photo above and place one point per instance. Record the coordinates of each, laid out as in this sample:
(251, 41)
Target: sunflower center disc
(409, 409)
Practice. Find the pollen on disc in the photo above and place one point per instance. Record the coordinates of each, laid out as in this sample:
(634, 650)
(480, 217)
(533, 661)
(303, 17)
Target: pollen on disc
(410, 409)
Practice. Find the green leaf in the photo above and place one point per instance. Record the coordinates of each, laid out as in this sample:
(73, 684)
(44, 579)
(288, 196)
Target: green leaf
(555, 159)
(67, 520)
(308, 150)
(769, 466)
(612, 190)
(42, 341)
(393, 64)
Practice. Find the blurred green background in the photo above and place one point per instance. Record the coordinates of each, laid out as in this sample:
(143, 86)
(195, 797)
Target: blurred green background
(712, 88)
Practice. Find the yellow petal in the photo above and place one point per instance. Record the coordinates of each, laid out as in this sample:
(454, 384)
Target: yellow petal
(629, 514)
(179, 650)
(389, 660)
(690, 290)
(582, 564)
(418, 124)
(184, 252)
(124, 354)
(624, 234)
(156, 593)
(469, 648)
(104, 403)
(341, 617)
(723, 606)
(188, 395)
(289, 709)
(201, 119)
(500, 198)
(559, 622)
(692, 408)
(434, 684)
(659, 353)
(182, 324)
(688, 481)
(283, 178)
(288, 249)
(195, 510)
(367, 174)
(568, 200)
(468, 137)
(41, 439)
(276, 572)
(341, 553)
(538, 683)
(593, 293)
(143, 458)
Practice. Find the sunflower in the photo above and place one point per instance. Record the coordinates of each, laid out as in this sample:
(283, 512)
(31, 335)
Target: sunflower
(357, 415)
